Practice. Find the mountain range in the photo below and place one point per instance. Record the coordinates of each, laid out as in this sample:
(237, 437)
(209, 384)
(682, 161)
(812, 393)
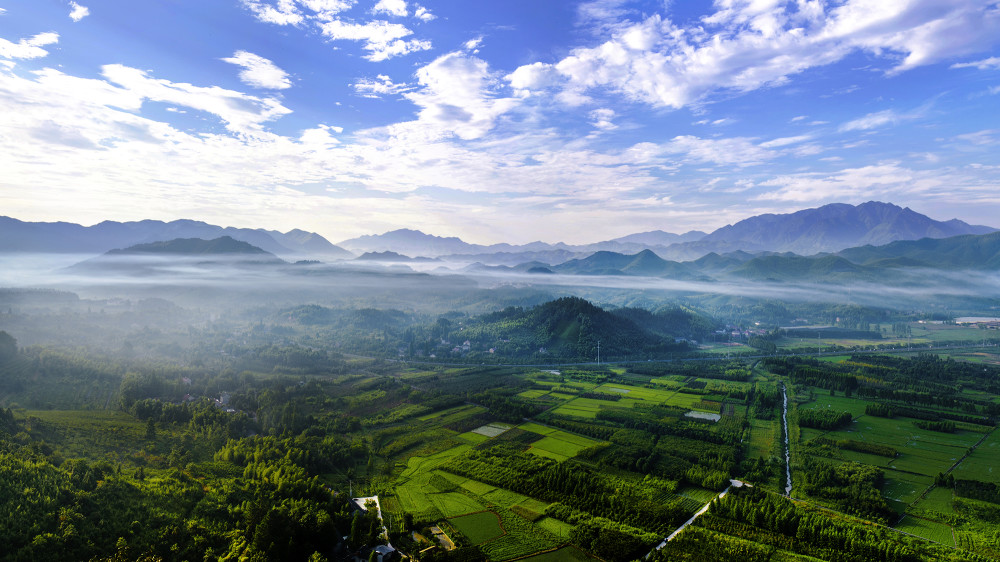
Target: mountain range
(828, 229)
(68, 238)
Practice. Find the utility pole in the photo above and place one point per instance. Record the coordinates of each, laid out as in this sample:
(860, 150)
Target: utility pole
(598, 352)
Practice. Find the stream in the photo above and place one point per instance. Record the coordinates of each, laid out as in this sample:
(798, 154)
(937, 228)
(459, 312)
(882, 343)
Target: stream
(784, 431)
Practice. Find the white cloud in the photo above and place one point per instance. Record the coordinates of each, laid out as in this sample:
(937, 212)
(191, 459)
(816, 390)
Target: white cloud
(747, 45)
(457, 95)
(992, 63)
(872, 121)
(79, 12)
(392, 7)
(259, 72)
(473, 44)
(423, 14)
(28, 48)
(241, 113)
(380, 86)
(382, 39)
(601, 119)
(883, 181)
(284, 12)
(785, 141)
(980, 138)
(327, 8)
(737, 151)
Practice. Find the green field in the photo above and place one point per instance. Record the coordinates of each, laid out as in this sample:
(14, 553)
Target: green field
(479, 527)
(560, 445)
(984, 463)
(940, 500)
(937, 532)
(555, 526)
(564, 554)
(762, 438)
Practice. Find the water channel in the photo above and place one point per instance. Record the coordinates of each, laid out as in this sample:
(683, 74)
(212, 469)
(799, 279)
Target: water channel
(784, 431)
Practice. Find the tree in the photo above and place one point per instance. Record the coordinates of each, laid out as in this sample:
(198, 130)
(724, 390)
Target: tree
(8, 347)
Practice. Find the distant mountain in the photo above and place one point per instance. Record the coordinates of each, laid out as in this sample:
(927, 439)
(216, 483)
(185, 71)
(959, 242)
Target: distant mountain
(391, 257)
(645, 263)
(414, 242)
(660, 238)
(62, 237)
(832, 228)
(178, 256)
(224, 245)
(410, 242)
(956, 253)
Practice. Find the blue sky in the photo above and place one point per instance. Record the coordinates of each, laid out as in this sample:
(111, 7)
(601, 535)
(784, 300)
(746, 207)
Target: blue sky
(496, 121)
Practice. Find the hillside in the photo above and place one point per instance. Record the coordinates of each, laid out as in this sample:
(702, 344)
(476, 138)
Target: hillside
(959, 252)
(568, 327)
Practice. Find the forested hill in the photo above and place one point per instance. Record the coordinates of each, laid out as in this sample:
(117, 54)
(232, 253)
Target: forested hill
(569, 327)
(195, 247)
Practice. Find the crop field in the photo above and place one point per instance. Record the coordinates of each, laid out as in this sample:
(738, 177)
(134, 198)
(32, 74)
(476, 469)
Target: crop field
(939, 499)
(451, 504)
(654, 395)
(555, 526)
(522, 538)
(762, 439)
(937, 532)
(447, 413)
(472, 437)
(416, 465)
(537, 428)
(533, 393)
(491, 430)
(701, 495)
(902, 487)
(984, 463)
(823, 401)
(479, 527)
(560, 445)
(504, 498)
(564, 554)
(581, 408)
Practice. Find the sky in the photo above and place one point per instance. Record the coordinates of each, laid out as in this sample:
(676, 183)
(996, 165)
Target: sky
(509, 121)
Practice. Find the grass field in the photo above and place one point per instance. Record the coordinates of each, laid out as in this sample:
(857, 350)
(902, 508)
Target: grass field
(984, 463)
(937, 532)
(479, 527)
(472, 437)
(581, 408)
(921, 451)
(564, 554)
(900, 487)
(838, 403)
(555, 526)
(762, 439)
(939, 499)
(559, 445)
(504, 498)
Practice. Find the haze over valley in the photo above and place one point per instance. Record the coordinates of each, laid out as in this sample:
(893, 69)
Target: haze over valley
(571, 280)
